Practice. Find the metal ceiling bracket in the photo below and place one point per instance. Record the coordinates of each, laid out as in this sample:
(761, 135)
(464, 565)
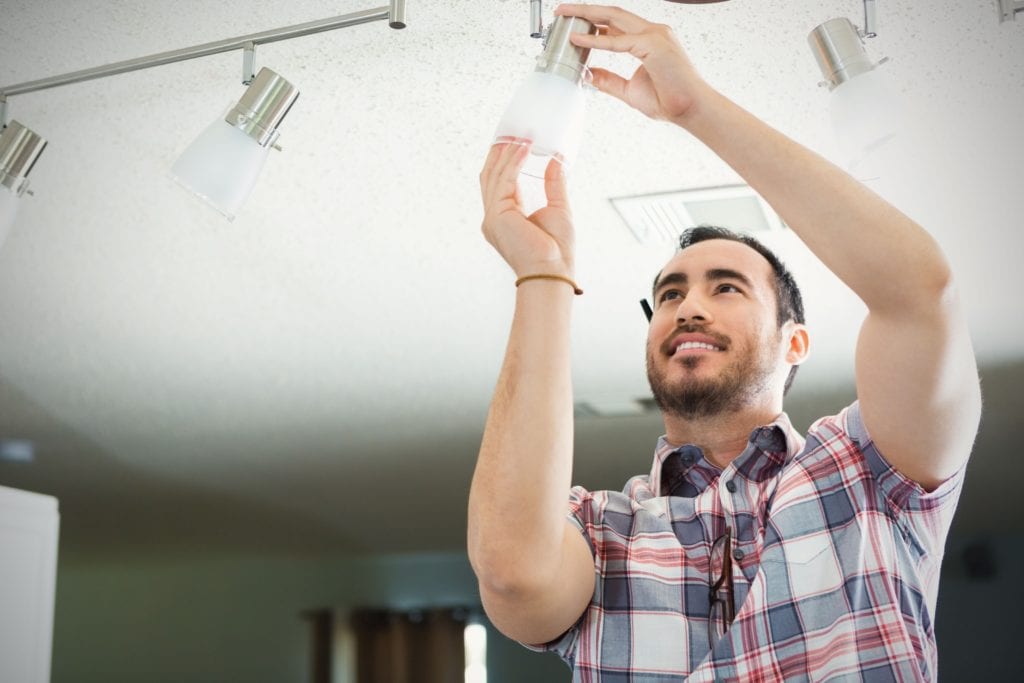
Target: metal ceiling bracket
(3, 111)
(248, 63)
(870, 20)
(396, 14)
(536, 19)
(1008, 9)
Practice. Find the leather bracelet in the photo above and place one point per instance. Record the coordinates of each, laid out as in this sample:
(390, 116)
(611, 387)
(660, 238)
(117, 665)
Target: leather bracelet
(542, 276)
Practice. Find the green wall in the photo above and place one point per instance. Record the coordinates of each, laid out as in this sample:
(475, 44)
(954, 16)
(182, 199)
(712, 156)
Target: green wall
(226, 619)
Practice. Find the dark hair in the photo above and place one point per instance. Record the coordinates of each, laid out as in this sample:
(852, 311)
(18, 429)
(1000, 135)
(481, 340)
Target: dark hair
(789, 303)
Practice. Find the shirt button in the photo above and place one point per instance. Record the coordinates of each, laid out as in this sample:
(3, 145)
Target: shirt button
(731, 486)
(737, 554)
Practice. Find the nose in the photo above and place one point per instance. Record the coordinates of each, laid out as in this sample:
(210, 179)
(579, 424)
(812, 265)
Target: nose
(693, 308)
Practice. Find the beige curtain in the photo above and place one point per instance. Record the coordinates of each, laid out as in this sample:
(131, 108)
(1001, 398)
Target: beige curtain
(409, 647)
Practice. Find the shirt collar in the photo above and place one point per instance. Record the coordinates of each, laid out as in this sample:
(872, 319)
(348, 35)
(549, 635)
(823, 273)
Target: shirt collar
(777, 441)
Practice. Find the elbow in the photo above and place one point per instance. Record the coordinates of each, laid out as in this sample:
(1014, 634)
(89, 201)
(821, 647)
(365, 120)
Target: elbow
(934, 283)
(931, 291)
(508, 574)
(504, 578)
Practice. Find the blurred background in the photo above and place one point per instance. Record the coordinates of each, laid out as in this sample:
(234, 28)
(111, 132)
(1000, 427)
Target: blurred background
(261, 432)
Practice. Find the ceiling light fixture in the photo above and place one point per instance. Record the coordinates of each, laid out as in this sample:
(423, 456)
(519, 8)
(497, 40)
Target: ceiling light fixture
(19, 150)
(223, 163)
(253, 121)
(864, 107)
(548, 109)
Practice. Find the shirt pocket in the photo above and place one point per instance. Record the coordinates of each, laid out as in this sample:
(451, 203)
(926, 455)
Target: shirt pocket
(807, 564)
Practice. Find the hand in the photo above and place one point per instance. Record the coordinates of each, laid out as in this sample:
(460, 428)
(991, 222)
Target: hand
(664, 86)
(542, 243)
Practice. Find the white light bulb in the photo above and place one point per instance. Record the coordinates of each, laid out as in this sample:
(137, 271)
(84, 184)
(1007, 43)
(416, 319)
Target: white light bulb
(221, 166)
(548, 109)
(866, 115)
(547, 112)
(8, 212)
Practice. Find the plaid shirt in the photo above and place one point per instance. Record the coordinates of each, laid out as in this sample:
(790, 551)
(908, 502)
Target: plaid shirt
(835, 564)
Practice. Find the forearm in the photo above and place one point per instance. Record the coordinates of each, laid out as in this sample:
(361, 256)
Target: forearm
(520, 488)
(863, 239)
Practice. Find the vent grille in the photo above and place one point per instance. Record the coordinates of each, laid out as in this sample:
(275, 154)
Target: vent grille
(659, 218)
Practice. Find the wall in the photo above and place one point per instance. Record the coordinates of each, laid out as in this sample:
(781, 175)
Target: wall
(219, 620)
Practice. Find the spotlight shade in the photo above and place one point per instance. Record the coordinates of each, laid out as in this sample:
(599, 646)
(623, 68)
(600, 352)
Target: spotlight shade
(19, 150)
(223, 163)
(548, 111)
(866, 114)
(221, 166)
(8, 212)
(864, 107)
(549, 107)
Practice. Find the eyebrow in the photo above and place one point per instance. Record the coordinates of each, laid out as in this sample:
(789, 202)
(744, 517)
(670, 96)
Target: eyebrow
(728, 274)
(714, 275)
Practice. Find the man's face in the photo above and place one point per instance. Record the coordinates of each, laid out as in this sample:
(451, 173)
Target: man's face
(714, 345)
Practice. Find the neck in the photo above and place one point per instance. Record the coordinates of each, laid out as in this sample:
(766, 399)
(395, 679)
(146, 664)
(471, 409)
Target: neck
(721, 437)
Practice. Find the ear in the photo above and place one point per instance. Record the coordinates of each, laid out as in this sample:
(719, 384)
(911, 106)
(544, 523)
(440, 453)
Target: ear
(799, 343)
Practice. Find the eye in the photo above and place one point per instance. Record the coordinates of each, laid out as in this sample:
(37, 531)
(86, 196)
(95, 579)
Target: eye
(669, 295)
(726, 287)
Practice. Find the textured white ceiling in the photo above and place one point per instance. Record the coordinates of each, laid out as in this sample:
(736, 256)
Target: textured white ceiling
(349, 324)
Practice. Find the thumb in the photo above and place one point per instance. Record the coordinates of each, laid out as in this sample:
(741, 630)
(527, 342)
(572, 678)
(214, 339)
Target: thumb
(554, 185)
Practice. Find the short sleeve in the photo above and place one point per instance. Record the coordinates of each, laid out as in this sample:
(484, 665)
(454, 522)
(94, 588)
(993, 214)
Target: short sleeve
(926, 514)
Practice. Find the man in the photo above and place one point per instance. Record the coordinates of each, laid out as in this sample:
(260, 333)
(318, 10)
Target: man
(748, 553)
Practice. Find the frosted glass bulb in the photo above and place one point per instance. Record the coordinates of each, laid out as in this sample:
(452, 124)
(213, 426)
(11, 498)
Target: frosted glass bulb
(8, 212)
(221, 166)
(547, 111)
(866, 115)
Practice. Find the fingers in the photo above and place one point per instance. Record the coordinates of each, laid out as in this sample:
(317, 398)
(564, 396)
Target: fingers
(609, 83)
(488, 169)
(619, 42)
(613, 17)
(498, 179)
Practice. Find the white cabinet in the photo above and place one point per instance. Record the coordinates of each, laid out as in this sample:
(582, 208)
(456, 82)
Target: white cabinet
(28, 579)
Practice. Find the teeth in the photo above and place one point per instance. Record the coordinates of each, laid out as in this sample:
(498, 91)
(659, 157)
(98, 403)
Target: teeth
(696, 345)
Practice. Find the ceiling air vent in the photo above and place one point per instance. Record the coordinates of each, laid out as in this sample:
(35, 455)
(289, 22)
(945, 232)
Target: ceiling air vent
(659, 218)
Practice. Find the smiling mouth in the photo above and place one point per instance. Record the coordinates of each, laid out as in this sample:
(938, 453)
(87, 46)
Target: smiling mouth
(696, 346)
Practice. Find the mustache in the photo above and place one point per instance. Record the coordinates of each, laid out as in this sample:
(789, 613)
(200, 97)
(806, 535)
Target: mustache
(720, 339)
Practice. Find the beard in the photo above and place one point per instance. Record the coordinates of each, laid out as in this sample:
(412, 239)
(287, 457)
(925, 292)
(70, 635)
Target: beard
(736, 386)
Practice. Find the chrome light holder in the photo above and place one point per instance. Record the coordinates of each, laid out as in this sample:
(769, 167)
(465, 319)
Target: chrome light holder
(839, 50)
(560, 56)
(19, 150)
(263, 106)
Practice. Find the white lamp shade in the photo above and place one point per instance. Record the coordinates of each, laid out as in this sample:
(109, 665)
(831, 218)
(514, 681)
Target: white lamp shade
(8, 211)
(866, 115)
(221, 166)
(548, 110)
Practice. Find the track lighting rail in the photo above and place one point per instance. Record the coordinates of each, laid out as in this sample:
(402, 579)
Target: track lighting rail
(394, 13)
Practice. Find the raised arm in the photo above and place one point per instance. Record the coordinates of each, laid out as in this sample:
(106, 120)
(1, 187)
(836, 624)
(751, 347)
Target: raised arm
(535, 570)
(916, 375)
